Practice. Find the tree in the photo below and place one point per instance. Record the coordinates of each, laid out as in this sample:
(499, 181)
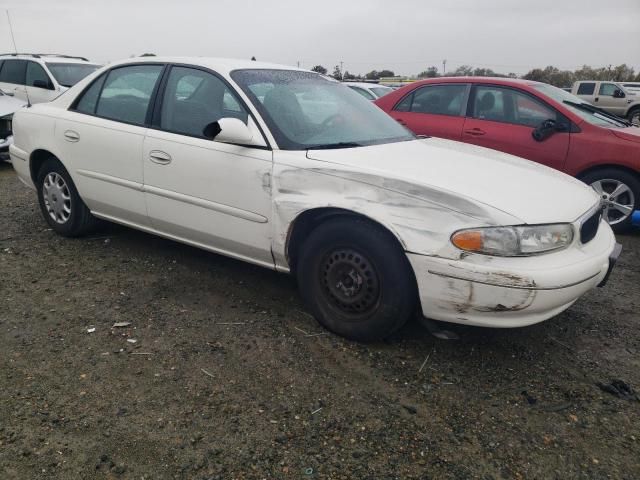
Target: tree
(320, 69)
(372, 75)
(337, 73)
(463, 71)
(386, 73)
(349, 76)
(253, 59)
(430, 72)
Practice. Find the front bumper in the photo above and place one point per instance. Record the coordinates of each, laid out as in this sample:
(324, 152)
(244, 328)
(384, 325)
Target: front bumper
(4, 148)
(505, 292)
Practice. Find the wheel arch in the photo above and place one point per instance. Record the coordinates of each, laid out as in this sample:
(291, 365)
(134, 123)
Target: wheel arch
(580, 175)
(36, 159)
(306, 221)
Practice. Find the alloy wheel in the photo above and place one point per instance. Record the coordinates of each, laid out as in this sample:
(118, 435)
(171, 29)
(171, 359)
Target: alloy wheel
(617, 198)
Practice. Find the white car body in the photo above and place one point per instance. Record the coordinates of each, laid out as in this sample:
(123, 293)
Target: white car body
(370, 91)
(244, 201)
(34, 94)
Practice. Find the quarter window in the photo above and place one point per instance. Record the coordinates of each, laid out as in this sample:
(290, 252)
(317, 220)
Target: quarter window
(126, 93)
(89, 99)
(586, 88)
(435, 100)
(193, 99)
(607, 89)
(510, 106)
(13, 71)
(34, 73)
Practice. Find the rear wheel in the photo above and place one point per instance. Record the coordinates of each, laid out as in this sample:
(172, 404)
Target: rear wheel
(356, 279)
(61, 206)
(634, 116)
(620, 193)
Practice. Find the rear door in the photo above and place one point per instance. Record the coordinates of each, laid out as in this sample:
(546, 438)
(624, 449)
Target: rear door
(435, 110)
(586, 91)
(12, 77)
(503, 118)
(101, 139)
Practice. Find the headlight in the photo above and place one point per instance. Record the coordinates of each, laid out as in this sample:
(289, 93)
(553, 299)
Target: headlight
(514, 241)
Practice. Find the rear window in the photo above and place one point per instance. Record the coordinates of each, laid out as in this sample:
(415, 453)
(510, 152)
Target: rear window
(586, 88)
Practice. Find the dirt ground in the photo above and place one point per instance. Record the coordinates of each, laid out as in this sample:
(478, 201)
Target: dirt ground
(229, 378)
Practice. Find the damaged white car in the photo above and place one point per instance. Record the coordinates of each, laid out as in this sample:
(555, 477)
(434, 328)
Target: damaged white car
(8, 106)
(285, 169)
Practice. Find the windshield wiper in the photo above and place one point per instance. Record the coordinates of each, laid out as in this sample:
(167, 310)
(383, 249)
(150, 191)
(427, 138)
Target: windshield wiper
(590, 108)
(330, 146)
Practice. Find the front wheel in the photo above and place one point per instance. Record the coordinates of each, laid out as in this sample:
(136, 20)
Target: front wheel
(61, 206)
(620, 193)
(356, 279)
(634, 117)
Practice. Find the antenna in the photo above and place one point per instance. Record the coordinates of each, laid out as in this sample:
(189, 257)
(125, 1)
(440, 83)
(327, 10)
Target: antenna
(15, 49)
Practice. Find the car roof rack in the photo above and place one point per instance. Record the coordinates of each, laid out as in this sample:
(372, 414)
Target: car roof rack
(38, 55)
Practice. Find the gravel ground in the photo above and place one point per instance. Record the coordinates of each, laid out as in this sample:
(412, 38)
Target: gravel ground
(221, 374)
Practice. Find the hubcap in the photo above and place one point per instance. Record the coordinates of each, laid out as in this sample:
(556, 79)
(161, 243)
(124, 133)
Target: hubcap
(57, 197)
(350, 282)
(617, 198)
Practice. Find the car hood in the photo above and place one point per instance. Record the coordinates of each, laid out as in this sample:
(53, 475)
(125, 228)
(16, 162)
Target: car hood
(9, 105)
(523, 189)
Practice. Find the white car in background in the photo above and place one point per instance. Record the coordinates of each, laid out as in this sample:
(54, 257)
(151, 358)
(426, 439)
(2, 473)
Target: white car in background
(8, 106)
(39, 77)
(370, 91)
(375, 224)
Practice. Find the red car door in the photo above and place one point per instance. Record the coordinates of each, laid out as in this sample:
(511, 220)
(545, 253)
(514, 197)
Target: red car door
(503, 118)
(435, 110)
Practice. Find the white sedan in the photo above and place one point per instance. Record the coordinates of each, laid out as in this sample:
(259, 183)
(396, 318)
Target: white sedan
(282, 168)
(370, 91)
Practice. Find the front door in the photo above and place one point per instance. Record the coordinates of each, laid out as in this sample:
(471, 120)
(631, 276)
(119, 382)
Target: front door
(504, 118)
(213, 194)
(605, 99)
(38, 84)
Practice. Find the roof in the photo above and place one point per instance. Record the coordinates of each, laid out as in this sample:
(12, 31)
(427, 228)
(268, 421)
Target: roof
(46, 57)
(493, 80)
(363, 84)
(220, 65)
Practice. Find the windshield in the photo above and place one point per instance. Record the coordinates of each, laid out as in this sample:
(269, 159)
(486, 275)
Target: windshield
(381, 91)
(68, 74)
(303, 110)
(561, 96)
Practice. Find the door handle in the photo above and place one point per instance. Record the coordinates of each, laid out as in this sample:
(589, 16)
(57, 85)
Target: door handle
(159, 157)
(71, 136)
(595, 99)
(475, 132)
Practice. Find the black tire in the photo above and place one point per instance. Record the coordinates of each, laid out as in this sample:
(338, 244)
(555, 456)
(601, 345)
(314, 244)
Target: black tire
(634, 116)
(630, 180)
(79, 220)
(365, 297)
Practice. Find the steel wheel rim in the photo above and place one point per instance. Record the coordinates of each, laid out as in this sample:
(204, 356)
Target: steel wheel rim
(617, 198)
(57, 197)
(350, 282)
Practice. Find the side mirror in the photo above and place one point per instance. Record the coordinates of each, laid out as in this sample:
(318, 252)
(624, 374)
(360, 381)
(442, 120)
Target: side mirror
(43, 84)
(546, 129)
(617, 93)
(228, 130)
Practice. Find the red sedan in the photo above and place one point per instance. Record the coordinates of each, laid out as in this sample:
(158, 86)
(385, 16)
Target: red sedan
(531, 120)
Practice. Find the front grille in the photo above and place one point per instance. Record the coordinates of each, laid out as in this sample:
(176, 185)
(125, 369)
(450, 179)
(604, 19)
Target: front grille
(589, 227)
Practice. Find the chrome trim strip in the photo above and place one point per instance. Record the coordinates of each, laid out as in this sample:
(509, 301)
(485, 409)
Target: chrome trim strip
(114, 180)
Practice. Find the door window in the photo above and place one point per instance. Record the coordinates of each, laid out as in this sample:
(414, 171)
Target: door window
(509, 106)
(193, 99)
(36, 72)
(586, 88)
(126, 93)
(435, 99)
(13, 71)
(607, 89)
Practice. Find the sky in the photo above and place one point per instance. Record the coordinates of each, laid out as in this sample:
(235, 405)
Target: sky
(405, 36)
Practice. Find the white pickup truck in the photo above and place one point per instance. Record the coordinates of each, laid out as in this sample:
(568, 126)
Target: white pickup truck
(611, 97)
